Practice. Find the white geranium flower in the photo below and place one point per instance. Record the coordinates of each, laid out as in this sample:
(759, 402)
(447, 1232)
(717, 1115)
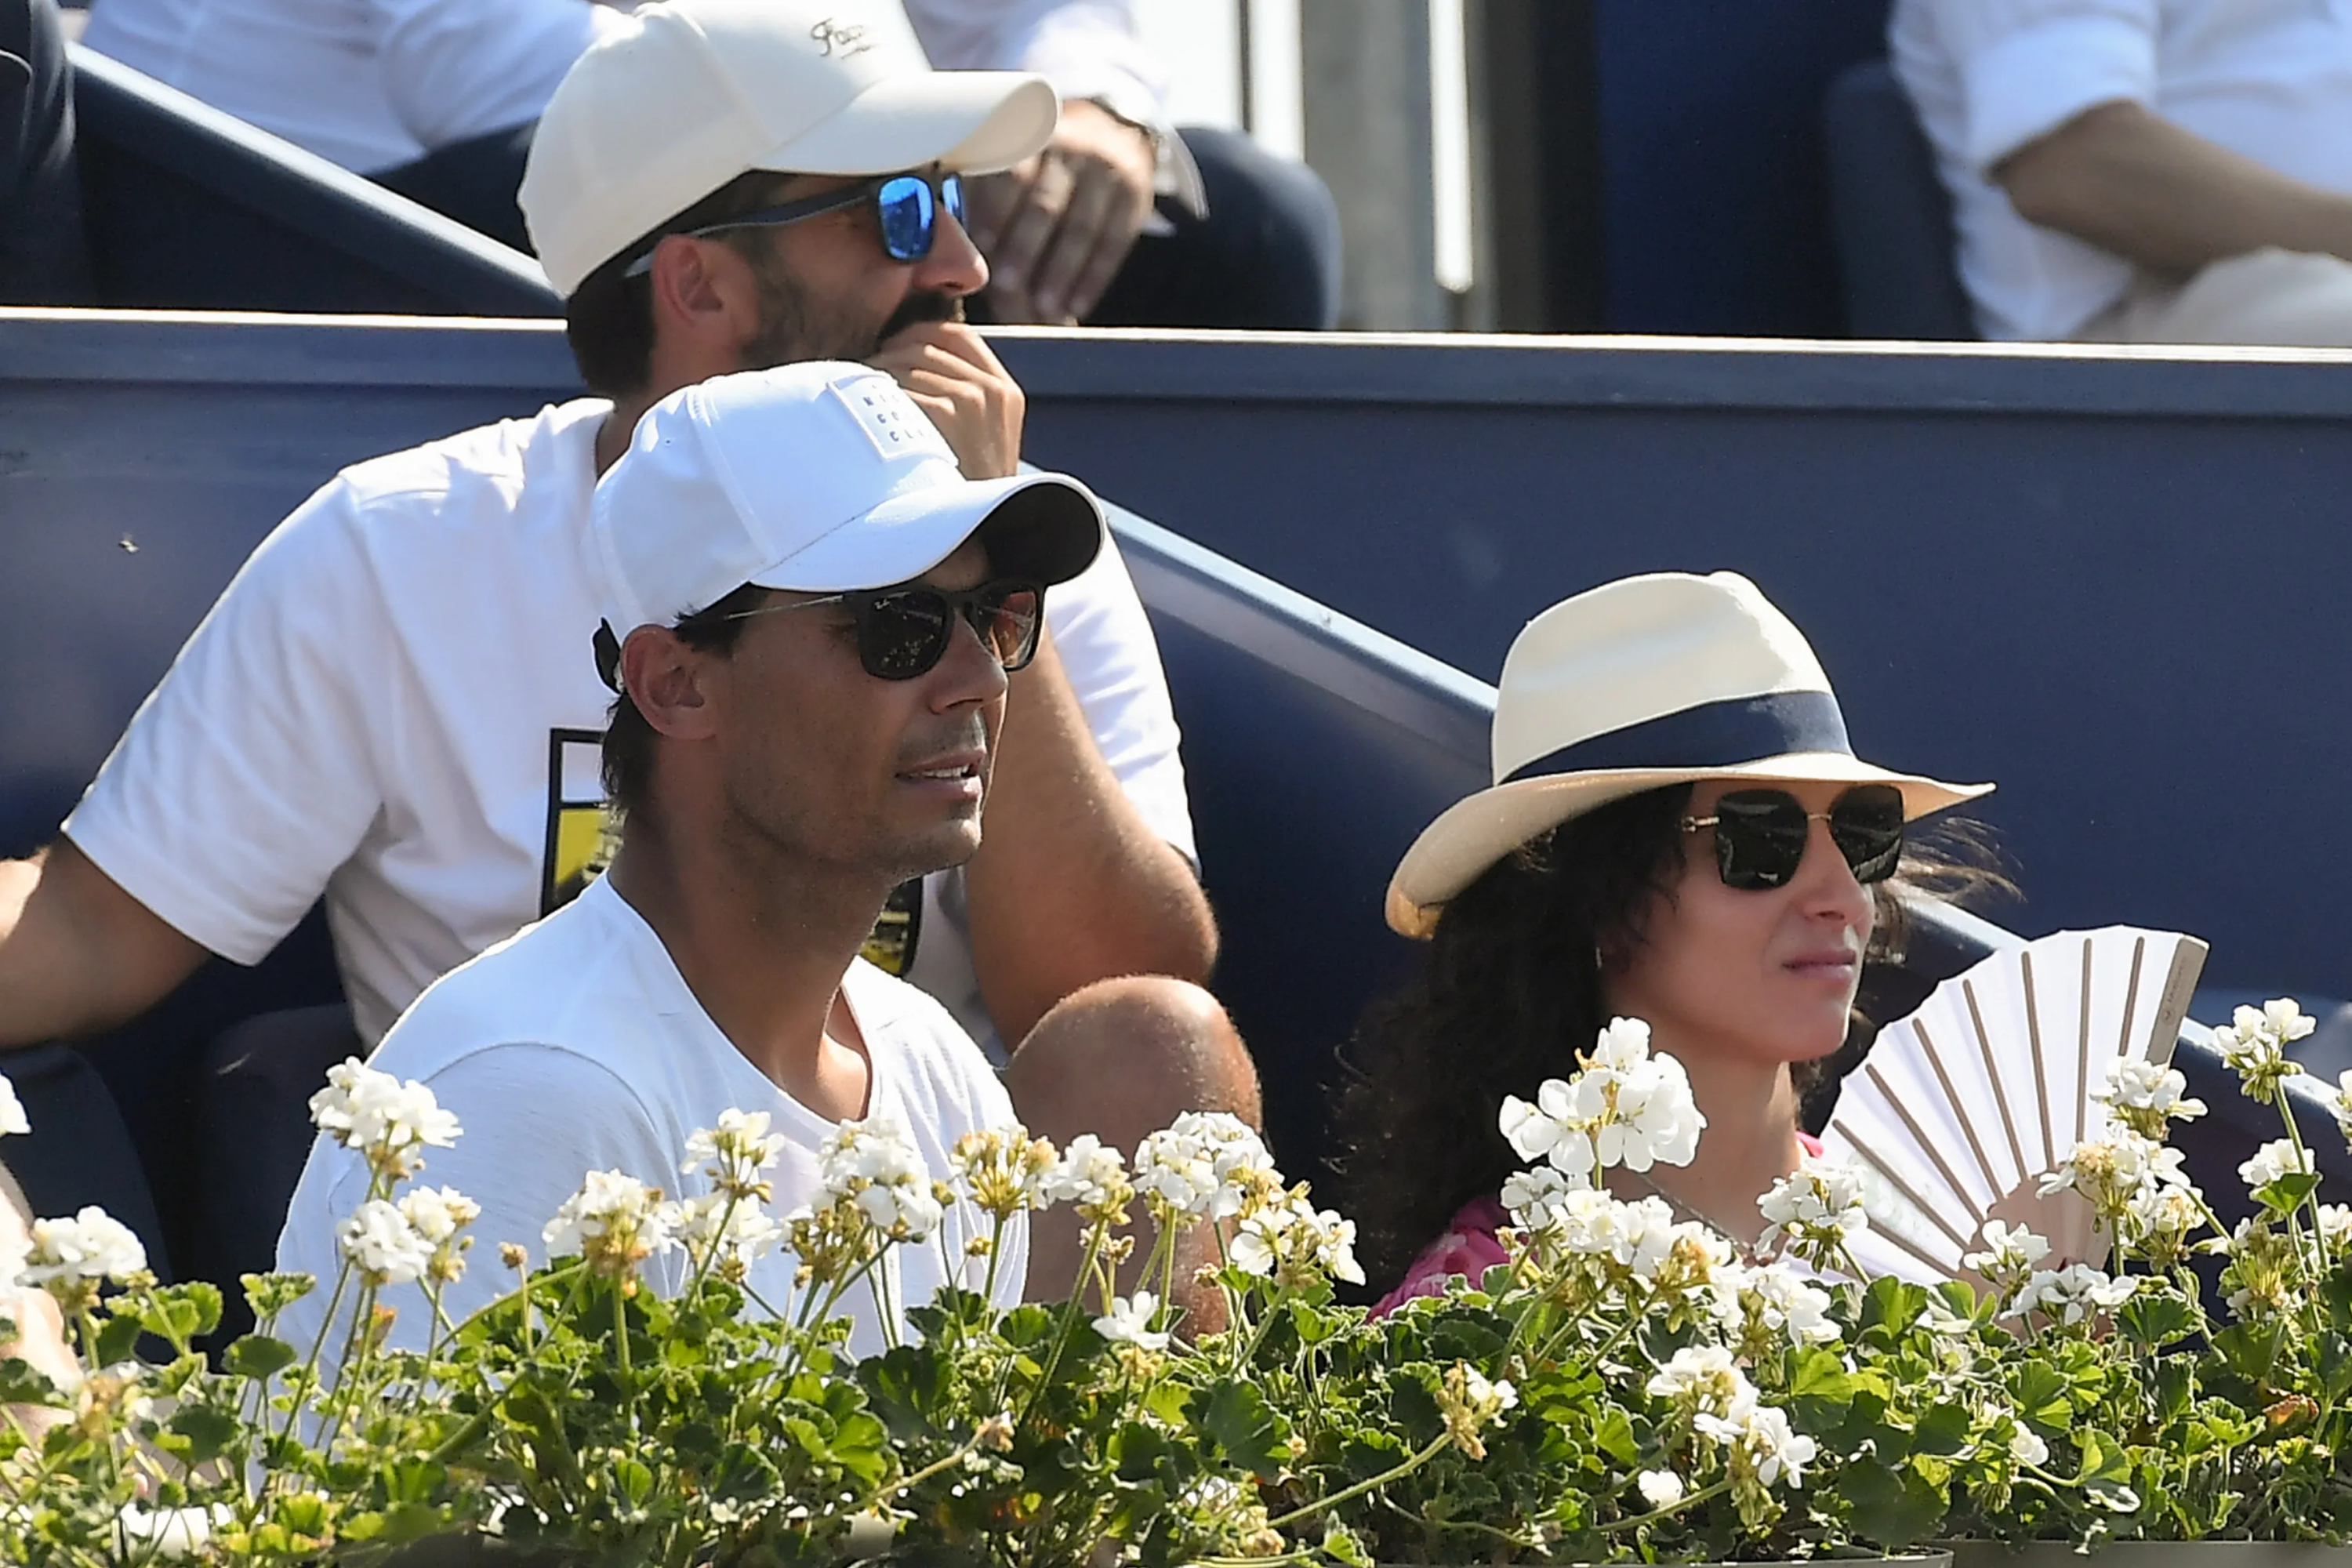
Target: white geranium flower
(2334, 1224)
(2027, 1448)
(876, 1165)
(438, 1213)
(381, 1118)
(12, 1109)
(1129, 1322)
(1533, 1195)
(1790, 1305)
(1762, 1444)
(2274, 1159)
(2253, 1043)
(383, 1245)
(2147, 1097)
(722, 1231)
(1209, 1164)
(1089, 1175)
(1548, 1129)
(614, 1221)
(2114, 1170)
(1703, 1381)
(2071, 1294)
(91, 1245)
(1816, 1207)
(1659, 1489)
(736, 1154)
(2009, 1254)
(169, 1534)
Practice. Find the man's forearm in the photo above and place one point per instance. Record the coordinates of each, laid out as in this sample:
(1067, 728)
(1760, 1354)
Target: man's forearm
(2129, 181)
(1071, 885)
(77, 955)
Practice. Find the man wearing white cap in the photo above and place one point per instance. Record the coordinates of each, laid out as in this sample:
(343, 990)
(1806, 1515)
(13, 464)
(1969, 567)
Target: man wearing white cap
(811, 614)
(393, 704)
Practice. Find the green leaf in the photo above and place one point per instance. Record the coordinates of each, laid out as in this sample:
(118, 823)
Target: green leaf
(2043, 1395)
(2284, 1194)
(257, 1356)
(2156, 1318)
(1614, 1437)
(1247, 1427)
(1943, 1430)
(2106, 1472)
(1820, 1388)
(1340, 1544)
(1891, 1508)
(209, 1432)
(2251, 1348)
(635, 1479)
(117, 1340)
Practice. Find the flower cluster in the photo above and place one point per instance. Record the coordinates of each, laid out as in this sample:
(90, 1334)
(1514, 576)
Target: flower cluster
(388, 1122)
(1626, 1107)
(2147, 1097)
(2253, 1043)
(615, 1222)
(874, 1166)
(1816, 1209)
(1206, 1165)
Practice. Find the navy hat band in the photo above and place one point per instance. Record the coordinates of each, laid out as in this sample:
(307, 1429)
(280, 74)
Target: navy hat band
(1713, 735)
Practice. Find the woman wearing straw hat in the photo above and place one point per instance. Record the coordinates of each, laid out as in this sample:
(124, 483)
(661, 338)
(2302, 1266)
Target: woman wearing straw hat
(1679, 831)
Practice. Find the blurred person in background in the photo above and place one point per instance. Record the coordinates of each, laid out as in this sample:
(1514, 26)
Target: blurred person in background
(2143, 171)
(1120, 220)
(43, 260)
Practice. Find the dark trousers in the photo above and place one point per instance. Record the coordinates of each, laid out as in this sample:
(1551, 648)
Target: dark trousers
(474, 181)
(44, 259)
(1267, 257)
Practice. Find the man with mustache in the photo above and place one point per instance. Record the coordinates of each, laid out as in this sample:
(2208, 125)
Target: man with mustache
(393, 703)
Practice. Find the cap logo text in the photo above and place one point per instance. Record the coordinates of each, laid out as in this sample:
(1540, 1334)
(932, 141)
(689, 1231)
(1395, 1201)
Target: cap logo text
(890, 420)
(843, 39)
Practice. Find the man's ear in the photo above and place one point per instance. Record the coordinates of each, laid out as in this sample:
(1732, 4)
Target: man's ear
(665, 682)
(706, 304)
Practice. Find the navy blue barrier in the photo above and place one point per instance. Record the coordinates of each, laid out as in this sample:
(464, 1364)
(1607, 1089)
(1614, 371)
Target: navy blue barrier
(2113, 581)
(191, 208)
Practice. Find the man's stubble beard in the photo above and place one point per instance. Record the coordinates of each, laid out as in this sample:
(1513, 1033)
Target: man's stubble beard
(793, 328)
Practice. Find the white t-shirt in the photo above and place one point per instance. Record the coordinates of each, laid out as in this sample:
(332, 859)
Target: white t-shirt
(372, 84)
(395, 703)
(577, 1047)
(2268, 79)
(368, 84)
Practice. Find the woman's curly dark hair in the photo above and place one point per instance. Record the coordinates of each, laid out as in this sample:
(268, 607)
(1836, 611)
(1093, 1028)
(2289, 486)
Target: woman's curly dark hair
(1508, 995)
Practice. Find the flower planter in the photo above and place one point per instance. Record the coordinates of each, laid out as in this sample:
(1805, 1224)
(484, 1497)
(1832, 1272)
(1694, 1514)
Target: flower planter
(2153, 1554)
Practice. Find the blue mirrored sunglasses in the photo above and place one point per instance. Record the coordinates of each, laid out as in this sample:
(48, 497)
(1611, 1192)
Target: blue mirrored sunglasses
(906, 213)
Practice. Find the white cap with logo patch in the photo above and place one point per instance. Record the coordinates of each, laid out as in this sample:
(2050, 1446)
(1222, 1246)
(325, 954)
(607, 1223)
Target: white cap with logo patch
(656, 116)
(820, 478)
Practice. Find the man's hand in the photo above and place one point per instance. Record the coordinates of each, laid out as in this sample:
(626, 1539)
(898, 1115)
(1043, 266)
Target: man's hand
(954, 376)
(1056, 227)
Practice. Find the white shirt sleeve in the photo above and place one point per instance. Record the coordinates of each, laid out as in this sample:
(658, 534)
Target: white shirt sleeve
(249, 773)
(2028, 66)
(1104, 635)
(1086, 49)
(455, 68)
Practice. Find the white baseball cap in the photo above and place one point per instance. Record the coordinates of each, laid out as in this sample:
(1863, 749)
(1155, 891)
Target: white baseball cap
(660, 113)
(820, 478)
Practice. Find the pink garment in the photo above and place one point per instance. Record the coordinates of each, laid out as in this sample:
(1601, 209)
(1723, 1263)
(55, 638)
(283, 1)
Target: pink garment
(1470, 1247)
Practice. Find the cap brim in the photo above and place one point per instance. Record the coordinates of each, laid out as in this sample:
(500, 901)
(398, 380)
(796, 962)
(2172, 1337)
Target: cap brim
(973, 121)
(1472, 835)
(1040, 528)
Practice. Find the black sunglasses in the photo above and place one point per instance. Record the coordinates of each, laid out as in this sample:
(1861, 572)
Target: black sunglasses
(903, 632)
(1760, 834)
(906, 209)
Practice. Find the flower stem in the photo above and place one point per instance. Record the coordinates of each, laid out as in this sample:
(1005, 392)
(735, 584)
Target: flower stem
(1393, 1473)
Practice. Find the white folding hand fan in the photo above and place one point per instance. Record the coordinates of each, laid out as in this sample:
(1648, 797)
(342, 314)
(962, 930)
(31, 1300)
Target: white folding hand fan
(1961, 1107)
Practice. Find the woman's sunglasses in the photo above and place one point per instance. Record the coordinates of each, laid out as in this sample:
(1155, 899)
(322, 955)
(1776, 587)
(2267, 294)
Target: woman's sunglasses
(906, 210)
(1760, 834)
(903, 632)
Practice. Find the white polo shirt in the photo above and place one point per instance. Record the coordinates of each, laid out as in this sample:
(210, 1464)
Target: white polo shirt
(373, 84)
(577, 1047)
(395, 704)
(2268, 79)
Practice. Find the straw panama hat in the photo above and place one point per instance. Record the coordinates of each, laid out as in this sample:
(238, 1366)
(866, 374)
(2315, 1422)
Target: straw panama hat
(1659, 679)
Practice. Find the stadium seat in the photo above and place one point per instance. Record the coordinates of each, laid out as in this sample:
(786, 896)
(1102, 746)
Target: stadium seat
(1891, 216)
(191, 208)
